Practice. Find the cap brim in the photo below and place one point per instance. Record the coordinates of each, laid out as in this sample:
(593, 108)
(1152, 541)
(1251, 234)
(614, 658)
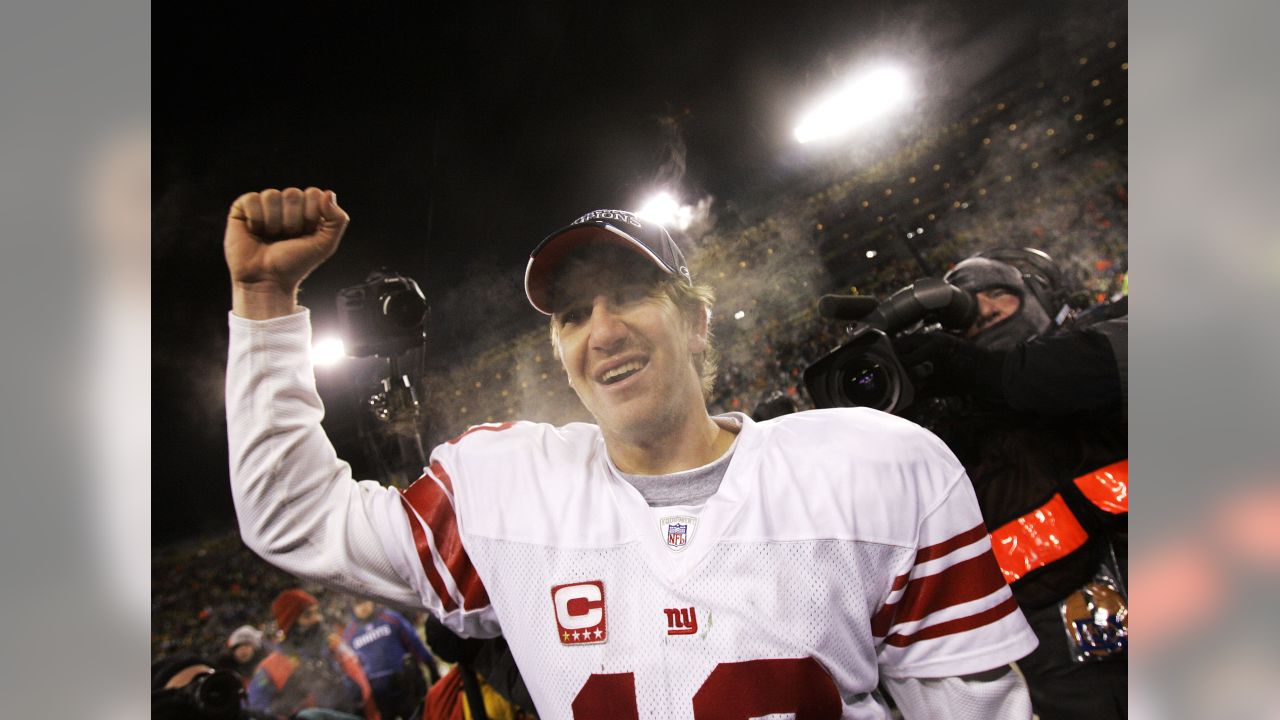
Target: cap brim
(547, 257)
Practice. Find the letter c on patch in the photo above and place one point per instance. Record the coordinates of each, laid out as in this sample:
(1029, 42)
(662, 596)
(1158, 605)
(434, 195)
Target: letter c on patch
(579, 606)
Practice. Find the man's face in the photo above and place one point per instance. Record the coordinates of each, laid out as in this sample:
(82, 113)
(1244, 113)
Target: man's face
(626, 348)
(994, 305)
(363, 609)
(309, 618)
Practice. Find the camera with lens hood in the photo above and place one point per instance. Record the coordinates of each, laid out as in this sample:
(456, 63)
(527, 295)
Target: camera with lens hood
(864, 371)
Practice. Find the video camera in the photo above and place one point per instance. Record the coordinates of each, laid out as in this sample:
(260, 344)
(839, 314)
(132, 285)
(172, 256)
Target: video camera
(865, 371)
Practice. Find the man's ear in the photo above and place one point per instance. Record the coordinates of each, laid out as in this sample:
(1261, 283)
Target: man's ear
(698, 330)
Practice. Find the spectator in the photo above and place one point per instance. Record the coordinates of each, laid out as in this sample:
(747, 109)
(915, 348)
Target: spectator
(244, 652)
(390, 652)
(311, 668)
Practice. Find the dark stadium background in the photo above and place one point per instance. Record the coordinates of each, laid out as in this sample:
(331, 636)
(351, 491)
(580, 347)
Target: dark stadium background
(458, 138)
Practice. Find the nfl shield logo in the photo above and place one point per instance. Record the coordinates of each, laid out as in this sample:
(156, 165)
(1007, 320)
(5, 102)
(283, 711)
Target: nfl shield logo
(677, 531)
(677, 534)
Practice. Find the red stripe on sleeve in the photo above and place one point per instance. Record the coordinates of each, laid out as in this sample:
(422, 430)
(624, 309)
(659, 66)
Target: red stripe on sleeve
(900, 582)
(963, 582)
(959, 625)
(937, 550)
(424, 554)
(883, 618)
(882, 621)
(438, 470)
(886, 616)
(431, 502)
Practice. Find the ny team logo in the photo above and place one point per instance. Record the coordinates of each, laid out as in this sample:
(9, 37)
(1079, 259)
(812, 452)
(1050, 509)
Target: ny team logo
(677, 530)
(682, 621)
(580, 618)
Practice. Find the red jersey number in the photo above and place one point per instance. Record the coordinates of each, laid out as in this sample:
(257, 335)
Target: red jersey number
(733, 691)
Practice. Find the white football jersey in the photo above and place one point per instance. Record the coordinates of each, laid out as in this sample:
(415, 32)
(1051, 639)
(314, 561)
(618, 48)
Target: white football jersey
(841, 544)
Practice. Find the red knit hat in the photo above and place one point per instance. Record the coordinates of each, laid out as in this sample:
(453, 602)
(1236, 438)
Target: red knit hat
(289, 605)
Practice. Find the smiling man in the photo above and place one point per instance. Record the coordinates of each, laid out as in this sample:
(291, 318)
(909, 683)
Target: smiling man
(659, 562)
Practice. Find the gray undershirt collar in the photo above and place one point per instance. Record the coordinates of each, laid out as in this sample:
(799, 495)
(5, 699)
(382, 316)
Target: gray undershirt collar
(687, 487)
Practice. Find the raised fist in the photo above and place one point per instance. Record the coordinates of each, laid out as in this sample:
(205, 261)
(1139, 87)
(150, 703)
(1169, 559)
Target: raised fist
(275, 238)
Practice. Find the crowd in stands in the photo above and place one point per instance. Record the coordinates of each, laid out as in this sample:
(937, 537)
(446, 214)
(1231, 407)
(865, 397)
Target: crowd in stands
(202, 591)
(1042, 165)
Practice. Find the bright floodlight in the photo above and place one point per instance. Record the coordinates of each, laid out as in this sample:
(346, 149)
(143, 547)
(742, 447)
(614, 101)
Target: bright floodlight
(667, 212)
(329, 351)
(862, 100)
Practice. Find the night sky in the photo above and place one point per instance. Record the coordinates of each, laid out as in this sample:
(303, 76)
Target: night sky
(457, 139)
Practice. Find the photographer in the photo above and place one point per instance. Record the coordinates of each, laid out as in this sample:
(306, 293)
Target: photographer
(1038, 419)
(185, 686)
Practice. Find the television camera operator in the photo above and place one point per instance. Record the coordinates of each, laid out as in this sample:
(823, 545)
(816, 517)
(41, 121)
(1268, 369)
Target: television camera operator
(1036, 413)
(1037, 416)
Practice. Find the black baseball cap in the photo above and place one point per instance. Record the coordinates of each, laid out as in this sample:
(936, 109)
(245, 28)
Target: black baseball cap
(616, 227)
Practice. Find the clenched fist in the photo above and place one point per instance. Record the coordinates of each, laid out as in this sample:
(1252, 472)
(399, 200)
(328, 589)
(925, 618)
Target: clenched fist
(274, 239)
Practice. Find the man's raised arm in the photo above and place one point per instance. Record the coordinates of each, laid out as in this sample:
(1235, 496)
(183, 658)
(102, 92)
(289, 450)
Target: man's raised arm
(296, 502)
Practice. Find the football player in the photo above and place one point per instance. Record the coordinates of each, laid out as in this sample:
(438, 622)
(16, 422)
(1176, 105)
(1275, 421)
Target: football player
(660, 562)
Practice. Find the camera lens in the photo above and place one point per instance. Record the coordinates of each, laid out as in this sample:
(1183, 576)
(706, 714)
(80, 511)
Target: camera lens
(865, 383)
(861, 373)
(403, 308)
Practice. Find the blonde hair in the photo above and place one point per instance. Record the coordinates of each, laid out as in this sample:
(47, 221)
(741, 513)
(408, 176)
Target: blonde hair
(694, 303)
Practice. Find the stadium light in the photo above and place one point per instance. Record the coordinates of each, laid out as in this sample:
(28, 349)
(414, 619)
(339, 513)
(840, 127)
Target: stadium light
(329, 351)
(665, 210)
(863, 99)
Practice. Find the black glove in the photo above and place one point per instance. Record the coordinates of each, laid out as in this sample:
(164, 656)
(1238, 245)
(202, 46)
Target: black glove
(943, 365)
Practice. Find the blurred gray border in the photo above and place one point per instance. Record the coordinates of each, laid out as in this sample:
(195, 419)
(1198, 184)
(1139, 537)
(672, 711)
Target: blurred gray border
(1205, 270)
(75, 84)
(1205, 265)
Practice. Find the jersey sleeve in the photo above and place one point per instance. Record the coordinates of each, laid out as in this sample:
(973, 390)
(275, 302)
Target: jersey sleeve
(297, 504)
(436, 561)
(949, 611)
(990, 696)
